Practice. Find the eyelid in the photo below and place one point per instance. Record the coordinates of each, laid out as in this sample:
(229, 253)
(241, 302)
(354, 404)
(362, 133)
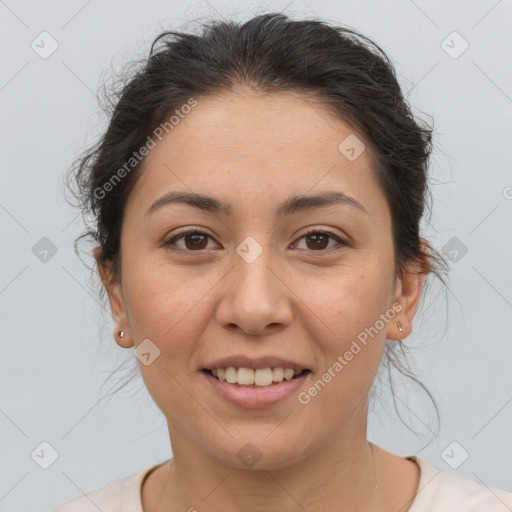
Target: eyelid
(341, 242)
(168, 242)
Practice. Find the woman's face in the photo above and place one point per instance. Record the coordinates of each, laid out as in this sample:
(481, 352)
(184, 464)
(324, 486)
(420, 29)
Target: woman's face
(254, 285)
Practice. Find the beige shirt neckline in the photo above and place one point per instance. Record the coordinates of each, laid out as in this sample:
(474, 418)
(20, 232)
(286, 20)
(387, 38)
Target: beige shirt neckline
(442, 491)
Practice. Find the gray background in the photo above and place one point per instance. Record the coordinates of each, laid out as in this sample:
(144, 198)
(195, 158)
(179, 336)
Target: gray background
(57, 344)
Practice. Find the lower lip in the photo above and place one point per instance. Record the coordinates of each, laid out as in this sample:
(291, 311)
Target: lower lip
(256, 398)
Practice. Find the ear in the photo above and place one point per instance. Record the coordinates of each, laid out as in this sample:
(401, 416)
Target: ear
(116, 300)
(408, 292)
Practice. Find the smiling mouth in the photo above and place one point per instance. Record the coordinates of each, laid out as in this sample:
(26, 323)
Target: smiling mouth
(249, 378)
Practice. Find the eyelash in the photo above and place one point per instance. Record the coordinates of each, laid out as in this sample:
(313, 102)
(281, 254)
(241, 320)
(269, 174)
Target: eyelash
(183, 234)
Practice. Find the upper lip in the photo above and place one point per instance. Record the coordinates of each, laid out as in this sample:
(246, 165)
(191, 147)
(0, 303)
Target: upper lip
(241, 361)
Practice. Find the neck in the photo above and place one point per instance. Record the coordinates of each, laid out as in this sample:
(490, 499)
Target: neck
(342, 475)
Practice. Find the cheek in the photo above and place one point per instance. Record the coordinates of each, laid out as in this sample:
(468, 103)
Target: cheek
(348, 312)
(155, 293)
(167, 306)
(164, 308)
(348, 304)
(362, 302)
(351, 355)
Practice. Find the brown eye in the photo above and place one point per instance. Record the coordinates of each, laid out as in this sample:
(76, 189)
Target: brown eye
(193, 240)
(319, 240)
(196, 241)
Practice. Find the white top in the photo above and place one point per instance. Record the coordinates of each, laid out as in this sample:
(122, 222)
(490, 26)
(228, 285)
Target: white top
(438, 491)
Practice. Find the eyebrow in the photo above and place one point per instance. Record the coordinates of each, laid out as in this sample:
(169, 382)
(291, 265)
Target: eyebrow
(292, 205)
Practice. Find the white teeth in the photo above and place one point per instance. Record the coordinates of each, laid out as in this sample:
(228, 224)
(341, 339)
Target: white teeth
(259, 377)
(231, 374)
(263, 377)
(288, 374)
(246, 376)
(278, 374)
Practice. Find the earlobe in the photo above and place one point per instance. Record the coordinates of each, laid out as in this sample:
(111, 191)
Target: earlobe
(396, 329)
(407, 293)
(116, 301)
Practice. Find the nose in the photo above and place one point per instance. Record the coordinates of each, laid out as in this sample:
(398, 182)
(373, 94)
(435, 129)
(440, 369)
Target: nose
(255, 297)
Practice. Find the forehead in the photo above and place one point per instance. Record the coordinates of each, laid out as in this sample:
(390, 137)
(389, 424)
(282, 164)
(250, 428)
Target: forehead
(238, 125)
(270, 145)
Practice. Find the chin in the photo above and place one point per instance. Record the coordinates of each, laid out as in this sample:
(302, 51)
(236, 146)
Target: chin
(259, 453)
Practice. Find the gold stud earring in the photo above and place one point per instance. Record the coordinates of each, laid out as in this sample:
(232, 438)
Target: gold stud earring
(399, 327)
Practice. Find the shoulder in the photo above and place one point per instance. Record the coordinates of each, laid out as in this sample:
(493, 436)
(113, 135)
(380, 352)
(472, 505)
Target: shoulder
(122, 495)
(445, 491)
